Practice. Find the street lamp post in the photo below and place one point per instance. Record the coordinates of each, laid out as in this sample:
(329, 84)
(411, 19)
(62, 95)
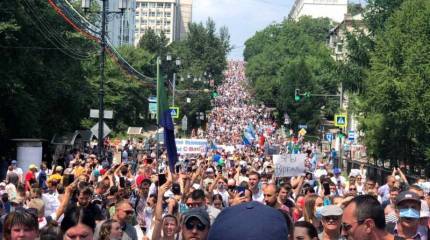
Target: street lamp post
(178, 63)
(86, 6)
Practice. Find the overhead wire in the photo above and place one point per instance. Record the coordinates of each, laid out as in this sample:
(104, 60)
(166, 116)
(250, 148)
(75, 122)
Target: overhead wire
(51, 35)
(72, 16)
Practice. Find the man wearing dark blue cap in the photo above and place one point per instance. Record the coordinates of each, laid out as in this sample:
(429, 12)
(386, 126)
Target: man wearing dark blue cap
(195, 224)
(251, 220)
(408, 206)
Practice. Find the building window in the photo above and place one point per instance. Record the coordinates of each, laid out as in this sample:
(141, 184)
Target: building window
(151, 5)
(158, 22)
(167, 5)
(167, 14)
(160, 5)
(159, 14)
(144, 5)
(152, 14)
(145, 14)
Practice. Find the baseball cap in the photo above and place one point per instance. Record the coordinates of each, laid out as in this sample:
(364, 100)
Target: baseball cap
(337, 171)
(199, 213)
(209, 170)
(407, 195)
(14, 162)
(331, 210)
(258, 221)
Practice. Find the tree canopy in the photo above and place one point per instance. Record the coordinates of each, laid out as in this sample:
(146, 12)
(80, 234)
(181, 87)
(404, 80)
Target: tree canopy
(288, 56)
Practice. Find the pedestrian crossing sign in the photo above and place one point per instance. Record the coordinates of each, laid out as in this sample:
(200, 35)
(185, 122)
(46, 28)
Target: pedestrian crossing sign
(174, 111)
(340, 120)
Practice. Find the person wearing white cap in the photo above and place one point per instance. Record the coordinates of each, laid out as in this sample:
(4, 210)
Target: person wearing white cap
(331, 221)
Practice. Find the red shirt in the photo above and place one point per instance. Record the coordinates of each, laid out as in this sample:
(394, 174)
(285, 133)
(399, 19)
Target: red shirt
(30, 178)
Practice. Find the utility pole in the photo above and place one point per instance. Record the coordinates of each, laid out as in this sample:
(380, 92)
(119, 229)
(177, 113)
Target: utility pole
(174, 89)
(86, 4)
(100, 145)
(159, 86)
(340, 138)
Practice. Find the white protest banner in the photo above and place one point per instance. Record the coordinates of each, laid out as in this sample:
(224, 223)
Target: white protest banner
(289, 165)
(191, 146)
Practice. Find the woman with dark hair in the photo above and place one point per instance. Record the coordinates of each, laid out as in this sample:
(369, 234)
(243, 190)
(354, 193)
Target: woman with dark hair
(217, 202)
(305, 231)
(50, 232)
(110, 230)
(21, 224)
(78, 222)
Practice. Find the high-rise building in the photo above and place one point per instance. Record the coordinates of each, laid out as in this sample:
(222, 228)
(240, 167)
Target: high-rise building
(170, 16)
(333, 9)
(120, 27)
(185, 15)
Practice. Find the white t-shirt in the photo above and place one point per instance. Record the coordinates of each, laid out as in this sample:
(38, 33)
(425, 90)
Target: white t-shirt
(259, 197)
(224, 194)
(51, 203)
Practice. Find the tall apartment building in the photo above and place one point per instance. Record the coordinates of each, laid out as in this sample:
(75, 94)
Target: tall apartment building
(170, 16)
(333, 9)
(120, 27)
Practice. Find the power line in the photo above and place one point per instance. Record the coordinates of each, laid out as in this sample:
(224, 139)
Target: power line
(32, 47)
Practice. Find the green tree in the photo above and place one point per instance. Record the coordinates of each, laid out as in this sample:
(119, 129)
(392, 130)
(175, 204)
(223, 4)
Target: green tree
(293, 55)
(395, 103)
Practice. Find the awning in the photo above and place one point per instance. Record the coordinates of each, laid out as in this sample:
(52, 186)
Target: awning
(71, 138)
(134, 130)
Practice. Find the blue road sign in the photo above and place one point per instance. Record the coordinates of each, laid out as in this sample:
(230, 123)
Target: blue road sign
(329, 137)
(351, 135)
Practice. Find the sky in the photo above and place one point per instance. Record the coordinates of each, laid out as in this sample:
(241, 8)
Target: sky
(243, 18)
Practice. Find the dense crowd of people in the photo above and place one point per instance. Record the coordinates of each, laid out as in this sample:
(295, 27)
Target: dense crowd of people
(228, 192)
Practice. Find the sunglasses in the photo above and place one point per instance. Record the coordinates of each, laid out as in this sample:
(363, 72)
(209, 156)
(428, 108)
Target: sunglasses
(347, 227)
(191, 225)
(328, 218)
(128, 212)
(353, 189)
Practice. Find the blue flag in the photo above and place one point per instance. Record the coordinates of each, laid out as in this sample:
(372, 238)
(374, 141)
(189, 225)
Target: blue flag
(165, 120)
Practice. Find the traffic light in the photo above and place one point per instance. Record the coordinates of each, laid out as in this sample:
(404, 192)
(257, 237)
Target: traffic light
(297, 95)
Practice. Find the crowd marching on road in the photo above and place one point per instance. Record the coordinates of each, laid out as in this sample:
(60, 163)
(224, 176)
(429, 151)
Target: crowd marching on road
(232, 190)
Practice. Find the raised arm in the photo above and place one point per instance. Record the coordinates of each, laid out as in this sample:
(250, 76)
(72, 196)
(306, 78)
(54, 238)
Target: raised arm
(156, 233)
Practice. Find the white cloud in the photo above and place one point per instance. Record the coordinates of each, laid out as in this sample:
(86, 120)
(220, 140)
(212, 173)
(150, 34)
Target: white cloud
(242, 17)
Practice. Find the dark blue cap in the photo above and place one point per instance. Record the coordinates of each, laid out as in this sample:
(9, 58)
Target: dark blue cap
(249, 221)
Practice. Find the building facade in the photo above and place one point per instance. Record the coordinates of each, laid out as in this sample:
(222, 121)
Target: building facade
(169, 16)
(337, 37)
(120, 27)
(333, 9)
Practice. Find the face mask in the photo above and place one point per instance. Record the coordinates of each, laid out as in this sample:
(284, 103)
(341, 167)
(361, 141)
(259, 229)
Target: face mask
(409, 213)
(318, 212)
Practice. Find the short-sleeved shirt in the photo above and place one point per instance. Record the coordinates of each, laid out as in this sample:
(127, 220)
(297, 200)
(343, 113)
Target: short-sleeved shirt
(29, 177)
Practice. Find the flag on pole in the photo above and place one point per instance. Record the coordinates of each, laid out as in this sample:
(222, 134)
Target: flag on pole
(165, 121)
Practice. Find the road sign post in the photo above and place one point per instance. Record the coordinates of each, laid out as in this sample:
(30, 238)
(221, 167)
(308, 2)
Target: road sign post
(340, 120)
(174, 111)
(184, 123)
